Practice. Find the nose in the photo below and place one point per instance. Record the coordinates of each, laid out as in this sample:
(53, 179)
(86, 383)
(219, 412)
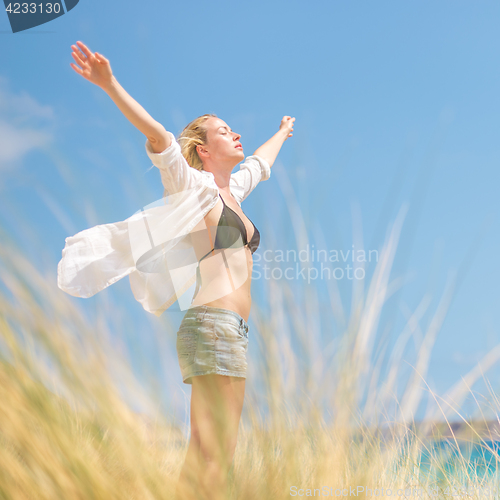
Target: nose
(237, 137)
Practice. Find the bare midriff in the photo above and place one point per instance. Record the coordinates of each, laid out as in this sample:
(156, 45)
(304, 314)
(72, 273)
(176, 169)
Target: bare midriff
(227, 288)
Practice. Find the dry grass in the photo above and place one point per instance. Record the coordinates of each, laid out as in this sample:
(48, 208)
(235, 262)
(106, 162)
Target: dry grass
(324, 416)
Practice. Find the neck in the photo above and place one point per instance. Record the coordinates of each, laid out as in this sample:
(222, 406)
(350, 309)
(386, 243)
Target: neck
(221, 173)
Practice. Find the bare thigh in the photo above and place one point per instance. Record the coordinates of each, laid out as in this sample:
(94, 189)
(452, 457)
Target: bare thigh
(216, 406)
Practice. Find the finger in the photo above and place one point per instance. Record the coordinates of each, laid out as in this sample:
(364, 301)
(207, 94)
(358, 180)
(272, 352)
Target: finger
(101, 58)
(79, 53)
(85, 49)
(81, 56)
(76, 68)
(78, 60)
(78, 57)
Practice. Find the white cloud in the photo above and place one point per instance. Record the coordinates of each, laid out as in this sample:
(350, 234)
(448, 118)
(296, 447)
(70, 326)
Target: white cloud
(24, 125)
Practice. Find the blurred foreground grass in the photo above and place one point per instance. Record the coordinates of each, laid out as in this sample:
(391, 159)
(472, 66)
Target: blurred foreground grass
(70, 428)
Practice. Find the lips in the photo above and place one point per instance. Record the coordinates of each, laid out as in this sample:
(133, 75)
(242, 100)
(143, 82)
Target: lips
(239, 146)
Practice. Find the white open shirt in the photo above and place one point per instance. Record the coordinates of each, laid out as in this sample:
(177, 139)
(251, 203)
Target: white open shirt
(153, 246)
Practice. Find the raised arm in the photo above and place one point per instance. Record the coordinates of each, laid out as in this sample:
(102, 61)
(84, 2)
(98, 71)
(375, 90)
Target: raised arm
(95, 68)
(257, 168)
(270, 149)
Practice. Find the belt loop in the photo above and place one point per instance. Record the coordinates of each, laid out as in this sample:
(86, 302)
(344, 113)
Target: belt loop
(200, 313)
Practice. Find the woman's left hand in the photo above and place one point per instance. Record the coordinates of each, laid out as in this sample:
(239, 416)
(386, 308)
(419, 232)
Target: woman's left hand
(270, 149)
(287, 126)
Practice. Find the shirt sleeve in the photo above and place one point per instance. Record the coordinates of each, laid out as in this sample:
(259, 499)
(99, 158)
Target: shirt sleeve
(176, 174)
(253, 170)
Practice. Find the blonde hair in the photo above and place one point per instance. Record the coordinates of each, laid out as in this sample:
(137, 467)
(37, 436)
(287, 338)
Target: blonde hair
(194, 134)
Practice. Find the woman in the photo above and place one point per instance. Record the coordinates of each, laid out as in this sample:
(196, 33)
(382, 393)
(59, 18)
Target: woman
(213, 336)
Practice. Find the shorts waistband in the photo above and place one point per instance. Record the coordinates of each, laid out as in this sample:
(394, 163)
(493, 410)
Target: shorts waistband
(212, 312)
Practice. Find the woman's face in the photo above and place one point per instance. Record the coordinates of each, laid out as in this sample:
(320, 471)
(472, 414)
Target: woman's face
(222, 144)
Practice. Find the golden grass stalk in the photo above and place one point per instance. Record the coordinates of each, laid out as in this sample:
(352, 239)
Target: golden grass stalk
(76, 424)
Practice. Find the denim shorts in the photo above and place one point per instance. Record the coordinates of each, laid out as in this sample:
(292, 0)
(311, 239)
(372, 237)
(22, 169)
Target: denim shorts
(212, 340)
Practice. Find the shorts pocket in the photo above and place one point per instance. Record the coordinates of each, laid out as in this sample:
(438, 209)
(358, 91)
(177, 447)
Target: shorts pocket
(230, 331)
(240, 333)
(190, 323)
(187, 344)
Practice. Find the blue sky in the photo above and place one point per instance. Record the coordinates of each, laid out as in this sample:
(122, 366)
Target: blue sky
(394, 102)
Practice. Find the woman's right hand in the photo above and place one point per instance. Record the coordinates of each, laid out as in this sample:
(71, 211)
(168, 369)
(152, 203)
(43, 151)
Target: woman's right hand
(94, 67)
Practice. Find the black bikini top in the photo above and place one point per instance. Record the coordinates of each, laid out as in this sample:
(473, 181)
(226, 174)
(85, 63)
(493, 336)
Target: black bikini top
(225, 239)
